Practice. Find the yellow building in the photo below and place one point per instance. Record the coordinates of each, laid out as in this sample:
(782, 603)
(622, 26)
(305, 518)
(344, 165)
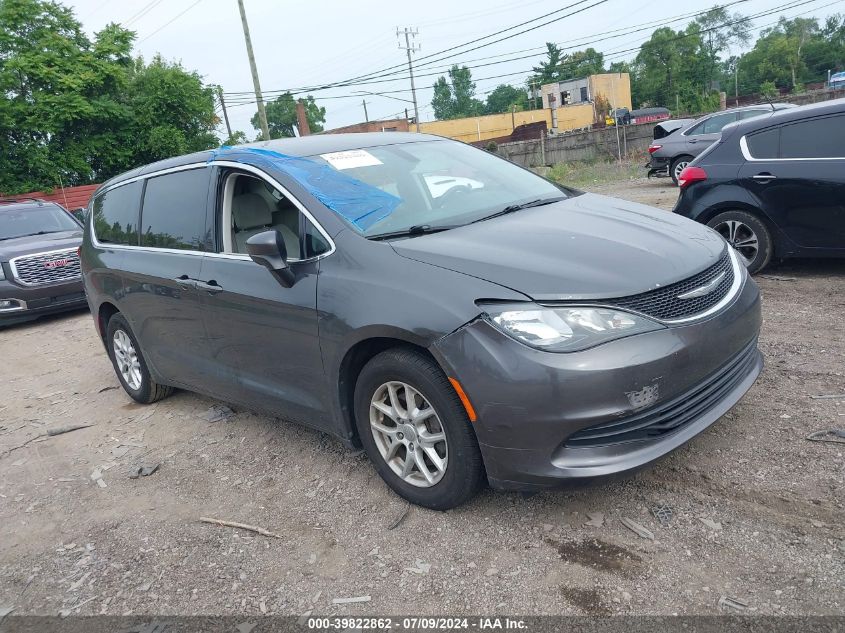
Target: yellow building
(562, 96)
(567, 105)
(485, 127)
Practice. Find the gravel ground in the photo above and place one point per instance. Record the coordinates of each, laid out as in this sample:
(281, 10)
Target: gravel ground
(757, 509)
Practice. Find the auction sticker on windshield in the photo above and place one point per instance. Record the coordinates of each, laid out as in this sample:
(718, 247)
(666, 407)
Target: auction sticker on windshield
(350, 159)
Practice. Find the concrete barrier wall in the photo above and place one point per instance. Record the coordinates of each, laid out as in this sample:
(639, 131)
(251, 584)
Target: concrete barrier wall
(591, 145)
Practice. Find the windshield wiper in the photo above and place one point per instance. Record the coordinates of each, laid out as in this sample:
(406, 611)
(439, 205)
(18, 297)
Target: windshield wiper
(14, 237)
(412, 231)
(539, 202)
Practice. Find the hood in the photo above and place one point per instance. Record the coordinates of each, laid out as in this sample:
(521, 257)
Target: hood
(39, 243)
(584, 247)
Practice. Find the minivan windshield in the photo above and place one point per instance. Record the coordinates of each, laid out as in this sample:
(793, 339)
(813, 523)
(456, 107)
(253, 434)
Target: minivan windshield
(34, 220)
(441, 184)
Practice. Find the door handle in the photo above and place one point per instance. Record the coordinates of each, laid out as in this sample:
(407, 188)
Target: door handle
(185, 282)
(692, 140)
(210, 286)
(764, 177)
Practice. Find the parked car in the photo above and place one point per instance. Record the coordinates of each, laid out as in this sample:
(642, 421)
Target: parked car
(837, 81)
(39, 264)
(670, 155)
(519, 333)
(774, 186)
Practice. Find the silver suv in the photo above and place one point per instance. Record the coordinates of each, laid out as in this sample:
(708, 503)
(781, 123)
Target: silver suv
(671, 154)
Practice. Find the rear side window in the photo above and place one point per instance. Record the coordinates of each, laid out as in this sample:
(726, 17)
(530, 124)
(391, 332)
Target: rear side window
(174, 211)
(814, 138)
(764, 144)
(116, 214)
(714, 124)
(750, 114)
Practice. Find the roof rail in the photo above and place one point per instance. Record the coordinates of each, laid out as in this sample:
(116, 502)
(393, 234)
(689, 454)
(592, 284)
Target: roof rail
(21, 199)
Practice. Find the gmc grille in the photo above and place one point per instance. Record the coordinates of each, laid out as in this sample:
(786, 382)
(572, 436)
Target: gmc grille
(46, 268)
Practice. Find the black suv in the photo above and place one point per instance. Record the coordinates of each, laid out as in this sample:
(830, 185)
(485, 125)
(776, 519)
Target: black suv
(774, 186)
(39, 260)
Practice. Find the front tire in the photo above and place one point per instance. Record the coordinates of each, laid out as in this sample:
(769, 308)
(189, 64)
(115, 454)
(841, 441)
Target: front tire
(416, 431)
(748, 235)
(129, 363)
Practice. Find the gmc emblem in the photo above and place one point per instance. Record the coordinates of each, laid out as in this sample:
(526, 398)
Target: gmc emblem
(57, 263)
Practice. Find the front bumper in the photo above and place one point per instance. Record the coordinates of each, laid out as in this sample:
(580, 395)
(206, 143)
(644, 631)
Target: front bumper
(30, 302)
(545, 418)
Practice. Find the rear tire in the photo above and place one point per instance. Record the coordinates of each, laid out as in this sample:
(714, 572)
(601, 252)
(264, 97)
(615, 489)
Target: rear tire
(677, 166)
(432, 435)
(748, 235)
(129, 363)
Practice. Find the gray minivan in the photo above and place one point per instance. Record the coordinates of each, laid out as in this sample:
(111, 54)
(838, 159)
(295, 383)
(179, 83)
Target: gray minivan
(511, 331)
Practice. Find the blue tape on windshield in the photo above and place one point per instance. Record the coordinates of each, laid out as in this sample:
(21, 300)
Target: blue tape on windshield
(361, 204)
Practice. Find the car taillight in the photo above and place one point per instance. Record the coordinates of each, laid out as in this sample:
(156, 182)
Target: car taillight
(690, 175)
(653, 148)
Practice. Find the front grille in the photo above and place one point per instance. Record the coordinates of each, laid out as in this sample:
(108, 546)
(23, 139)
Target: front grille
(664, 303)
(46, 268)
(673, 415)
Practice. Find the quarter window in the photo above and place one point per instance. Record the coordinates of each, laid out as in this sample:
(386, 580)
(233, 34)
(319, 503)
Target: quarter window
(174, 211)
(116, 214)
(814, 138)
(764, 144)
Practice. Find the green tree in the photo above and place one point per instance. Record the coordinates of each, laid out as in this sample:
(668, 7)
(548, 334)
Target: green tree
(237, 138)
(455, 98)
(75, 110)
(503, 99)
(59, 94)
(281, 116)
(548, 71)
(670, 70)
(581, 64)
(779, 54)
(172, 111)
(719, 31)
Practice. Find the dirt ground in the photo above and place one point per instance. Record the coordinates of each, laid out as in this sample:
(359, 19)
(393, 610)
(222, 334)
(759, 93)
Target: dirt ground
(757, 510)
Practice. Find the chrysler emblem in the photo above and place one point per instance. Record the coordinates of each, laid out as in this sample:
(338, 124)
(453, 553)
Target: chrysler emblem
(706, 289)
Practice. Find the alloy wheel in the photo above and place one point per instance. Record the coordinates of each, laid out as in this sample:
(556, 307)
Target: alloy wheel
(679, 167)
(408, 434)
(126, 359)
(742, 237)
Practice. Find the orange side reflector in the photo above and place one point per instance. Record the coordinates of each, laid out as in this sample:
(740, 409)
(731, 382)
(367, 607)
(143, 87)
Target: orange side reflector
(463, 396)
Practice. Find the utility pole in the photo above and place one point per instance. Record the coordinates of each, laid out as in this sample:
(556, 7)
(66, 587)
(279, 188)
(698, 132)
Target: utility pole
(364, 103)
(262, 113)
(225, 113)
(409, 33)
(736, 82)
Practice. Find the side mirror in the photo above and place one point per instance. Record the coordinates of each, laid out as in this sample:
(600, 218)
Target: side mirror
(268, 249)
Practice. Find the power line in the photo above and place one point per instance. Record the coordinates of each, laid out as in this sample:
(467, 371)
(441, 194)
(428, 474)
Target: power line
(584, 42)
(170, 21)
(142, 12)
(376, 79)
(607, 56)
(351, 80)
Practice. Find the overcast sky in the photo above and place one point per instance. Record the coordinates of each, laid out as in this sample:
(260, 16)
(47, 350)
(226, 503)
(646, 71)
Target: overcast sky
(304, 44)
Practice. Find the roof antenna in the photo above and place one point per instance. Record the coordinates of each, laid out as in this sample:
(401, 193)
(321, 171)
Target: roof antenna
(63, 191)
(769, 101)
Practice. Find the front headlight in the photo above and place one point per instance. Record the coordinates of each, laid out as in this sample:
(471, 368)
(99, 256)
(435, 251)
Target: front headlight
(568, 329)
(2, 274)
